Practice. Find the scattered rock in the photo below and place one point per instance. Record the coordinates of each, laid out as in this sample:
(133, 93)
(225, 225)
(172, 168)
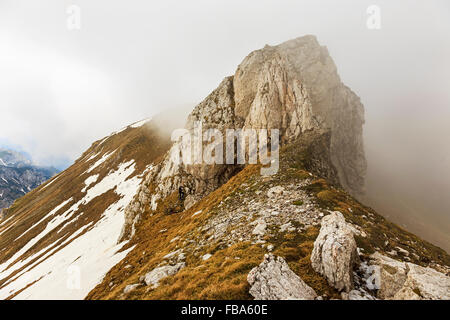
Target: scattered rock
(174, 239)
(260, 228)
(334, 252)
(130, 288)
(152, 278)
(172, 254)
(206, 256)
(275, 191)
(181, 257)
(190, 201)
(285, 227)
(409, 281)
(359, 295)
(388, 275)
(274, 280)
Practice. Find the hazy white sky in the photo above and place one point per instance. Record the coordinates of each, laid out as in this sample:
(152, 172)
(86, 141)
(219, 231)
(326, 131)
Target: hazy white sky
(62, 89)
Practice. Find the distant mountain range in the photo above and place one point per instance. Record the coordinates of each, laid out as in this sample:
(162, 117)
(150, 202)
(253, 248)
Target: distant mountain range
(18, 176)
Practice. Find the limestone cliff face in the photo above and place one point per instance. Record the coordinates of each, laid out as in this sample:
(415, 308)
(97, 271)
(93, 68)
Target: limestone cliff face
(293, 87)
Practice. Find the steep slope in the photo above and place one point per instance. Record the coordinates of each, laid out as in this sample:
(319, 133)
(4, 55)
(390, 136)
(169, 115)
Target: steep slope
(18, 176)
(208, 245)
(218, 241)
(68, 227)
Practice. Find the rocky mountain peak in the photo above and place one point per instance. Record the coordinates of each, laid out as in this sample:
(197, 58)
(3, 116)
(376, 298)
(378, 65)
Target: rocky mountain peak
(13, 158)
(293, 87)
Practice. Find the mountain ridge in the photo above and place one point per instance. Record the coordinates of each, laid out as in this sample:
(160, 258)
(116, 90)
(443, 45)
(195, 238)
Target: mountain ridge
(117, 224)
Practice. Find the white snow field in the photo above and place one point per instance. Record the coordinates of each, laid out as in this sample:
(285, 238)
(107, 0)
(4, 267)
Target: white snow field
(71, 267)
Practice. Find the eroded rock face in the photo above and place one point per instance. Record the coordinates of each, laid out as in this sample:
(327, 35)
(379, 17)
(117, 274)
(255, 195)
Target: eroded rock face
(408, 281)
(152, 278)
(388, 276)
(293, 87)
(334, 253)
(274, 280)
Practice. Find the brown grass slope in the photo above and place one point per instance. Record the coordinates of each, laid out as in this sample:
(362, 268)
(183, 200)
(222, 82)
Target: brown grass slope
(224, 275)
(142, 144)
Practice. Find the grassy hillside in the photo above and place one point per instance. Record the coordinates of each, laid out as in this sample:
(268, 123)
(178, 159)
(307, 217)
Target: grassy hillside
(238, 204)
(66, 197)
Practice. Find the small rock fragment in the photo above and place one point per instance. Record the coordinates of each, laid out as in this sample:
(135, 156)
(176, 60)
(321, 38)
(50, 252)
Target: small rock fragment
(206, 256)
(152, 278)
(274, 280)
(130, 288)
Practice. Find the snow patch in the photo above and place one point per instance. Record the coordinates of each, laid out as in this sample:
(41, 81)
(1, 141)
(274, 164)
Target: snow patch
(198, 212)
(89, 181)
(100, 161)
(53, 180)
(116, 178)
(92, 157)
(51, 213)
(86, 258)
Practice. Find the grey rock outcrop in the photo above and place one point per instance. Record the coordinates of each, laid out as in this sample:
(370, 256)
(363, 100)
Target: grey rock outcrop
(295, 87)
(152, 278)
(260, 228)
(274, 280)
(334, 253)
(408, 281)
(130, 288)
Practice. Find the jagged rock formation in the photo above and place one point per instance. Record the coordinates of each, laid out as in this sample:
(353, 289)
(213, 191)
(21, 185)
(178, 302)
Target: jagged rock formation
(408, 281)
(334, 252)
(293, 87)
(274, 280)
